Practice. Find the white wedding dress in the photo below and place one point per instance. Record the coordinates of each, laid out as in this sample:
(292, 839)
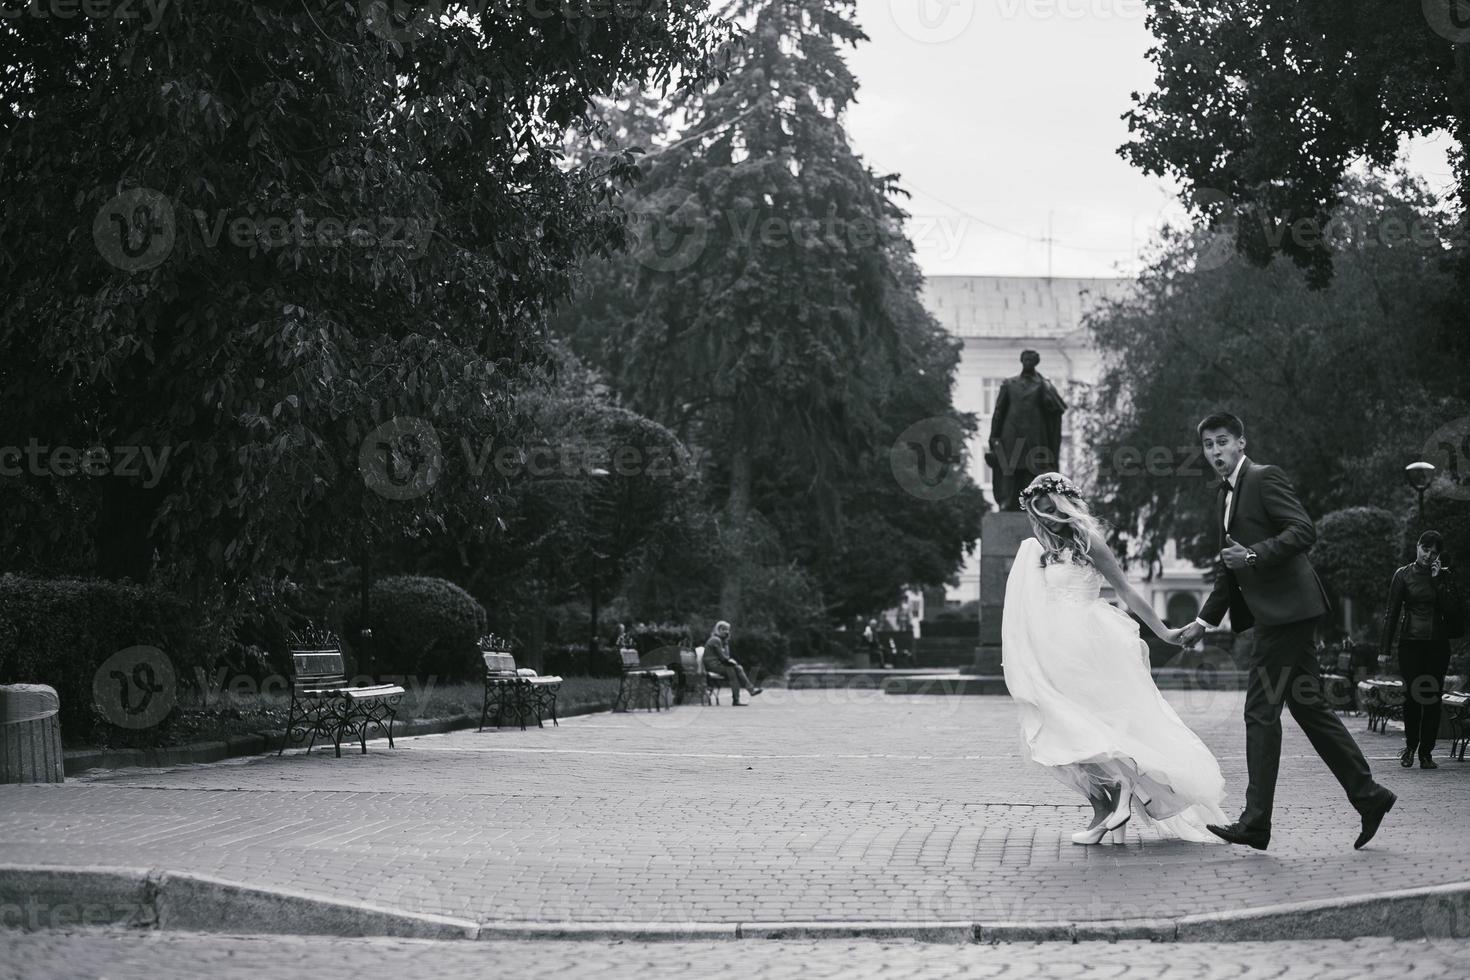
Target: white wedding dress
(1090, 713)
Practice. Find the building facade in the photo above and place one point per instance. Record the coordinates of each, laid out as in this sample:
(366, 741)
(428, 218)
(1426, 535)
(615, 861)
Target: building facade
(997, 317)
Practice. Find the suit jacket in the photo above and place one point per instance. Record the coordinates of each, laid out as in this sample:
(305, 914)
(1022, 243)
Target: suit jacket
(1283, 587)
(1446, 602)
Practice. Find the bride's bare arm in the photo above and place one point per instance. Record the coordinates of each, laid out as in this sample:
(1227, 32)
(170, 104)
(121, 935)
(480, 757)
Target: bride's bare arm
(1107, 563)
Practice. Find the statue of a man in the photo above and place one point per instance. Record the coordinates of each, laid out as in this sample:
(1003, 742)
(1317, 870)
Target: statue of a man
(1025, 432)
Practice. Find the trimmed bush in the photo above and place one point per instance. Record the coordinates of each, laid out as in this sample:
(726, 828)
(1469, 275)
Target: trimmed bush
(421, 626)
(1356, 553)
(60, 631)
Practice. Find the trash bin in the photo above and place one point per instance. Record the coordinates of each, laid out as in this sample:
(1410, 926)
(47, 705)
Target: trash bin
(30, 734)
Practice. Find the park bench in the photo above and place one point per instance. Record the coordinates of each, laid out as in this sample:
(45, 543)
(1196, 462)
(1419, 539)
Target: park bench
(518, 689)
(324, 704)
(639, 679)
(692, 683)
(1456, 707)
(1383, 700)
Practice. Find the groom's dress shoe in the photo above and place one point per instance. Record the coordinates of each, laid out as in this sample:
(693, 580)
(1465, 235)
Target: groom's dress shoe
(1372, 819)
(1238, 833)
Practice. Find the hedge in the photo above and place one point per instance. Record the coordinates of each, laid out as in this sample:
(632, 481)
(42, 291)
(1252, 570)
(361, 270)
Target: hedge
(422, 626)
(61, 631)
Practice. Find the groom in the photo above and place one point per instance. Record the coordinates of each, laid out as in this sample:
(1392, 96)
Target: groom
(1265, 580)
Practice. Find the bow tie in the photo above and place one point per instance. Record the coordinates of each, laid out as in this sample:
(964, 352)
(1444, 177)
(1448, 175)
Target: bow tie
(1227, 486)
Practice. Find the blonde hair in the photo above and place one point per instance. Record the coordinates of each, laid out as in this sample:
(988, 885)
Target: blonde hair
(1070, 528)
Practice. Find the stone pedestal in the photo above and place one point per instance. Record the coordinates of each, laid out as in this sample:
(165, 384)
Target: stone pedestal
(1001, 534)
(30, 734)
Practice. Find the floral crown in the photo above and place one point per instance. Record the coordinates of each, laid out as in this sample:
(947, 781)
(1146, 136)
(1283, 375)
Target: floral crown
(1053, 484)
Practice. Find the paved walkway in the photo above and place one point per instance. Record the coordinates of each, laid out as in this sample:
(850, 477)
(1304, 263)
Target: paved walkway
(807, 805)
(163, 956)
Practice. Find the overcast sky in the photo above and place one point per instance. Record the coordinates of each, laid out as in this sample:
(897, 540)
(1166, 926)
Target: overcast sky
(1007, 113)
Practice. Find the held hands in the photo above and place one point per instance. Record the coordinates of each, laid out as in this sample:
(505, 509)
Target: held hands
(1234, 554)
(1189, 634)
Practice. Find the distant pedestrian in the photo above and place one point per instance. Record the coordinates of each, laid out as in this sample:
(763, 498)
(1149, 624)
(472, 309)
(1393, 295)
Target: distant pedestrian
(1426, 611)
(875, 649)
(717, 659)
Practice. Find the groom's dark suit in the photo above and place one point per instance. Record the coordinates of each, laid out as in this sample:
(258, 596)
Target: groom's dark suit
(1282, 598)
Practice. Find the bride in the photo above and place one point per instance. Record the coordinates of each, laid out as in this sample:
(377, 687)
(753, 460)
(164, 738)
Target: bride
(1079, 673)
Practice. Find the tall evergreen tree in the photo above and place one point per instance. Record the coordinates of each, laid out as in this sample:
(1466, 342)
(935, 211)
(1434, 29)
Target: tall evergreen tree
(769, 310)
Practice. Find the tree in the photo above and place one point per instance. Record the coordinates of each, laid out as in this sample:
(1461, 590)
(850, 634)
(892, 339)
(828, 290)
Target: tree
(1261, 106)
(593, 495)
(256, 235)
(769, 310)
(1341, 386)
(1356, 552)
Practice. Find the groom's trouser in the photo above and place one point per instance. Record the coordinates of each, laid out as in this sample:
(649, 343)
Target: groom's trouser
(1284, 674)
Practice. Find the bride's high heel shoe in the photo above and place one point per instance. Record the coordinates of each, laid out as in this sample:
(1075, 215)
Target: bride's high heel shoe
(1120, 836)
(1092, 835)
(1095, 833)
(1125, 805)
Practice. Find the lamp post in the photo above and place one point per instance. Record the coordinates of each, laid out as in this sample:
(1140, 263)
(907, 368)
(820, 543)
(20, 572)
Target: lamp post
(599, 475)
(1419, 476)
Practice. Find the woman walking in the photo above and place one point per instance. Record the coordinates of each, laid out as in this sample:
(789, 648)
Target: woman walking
(1425, 612)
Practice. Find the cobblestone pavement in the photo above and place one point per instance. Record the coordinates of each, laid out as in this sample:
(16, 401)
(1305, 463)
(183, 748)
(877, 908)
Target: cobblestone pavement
(162, 956)
(806, 805)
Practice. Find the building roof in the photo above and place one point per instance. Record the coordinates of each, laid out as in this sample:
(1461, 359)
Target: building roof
(1016, 306)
